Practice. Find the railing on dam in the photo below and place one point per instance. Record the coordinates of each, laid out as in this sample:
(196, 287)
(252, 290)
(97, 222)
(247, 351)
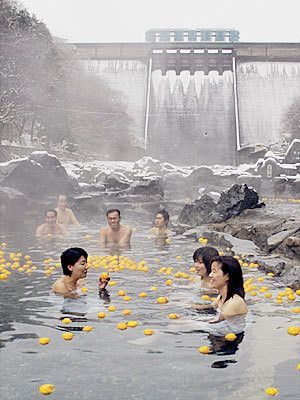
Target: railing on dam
(192, 60)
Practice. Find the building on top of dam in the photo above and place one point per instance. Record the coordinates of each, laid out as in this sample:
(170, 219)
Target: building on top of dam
(192, 35)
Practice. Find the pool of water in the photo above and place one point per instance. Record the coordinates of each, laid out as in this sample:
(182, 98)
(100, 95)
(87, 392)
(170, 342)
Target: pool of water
(107, 363)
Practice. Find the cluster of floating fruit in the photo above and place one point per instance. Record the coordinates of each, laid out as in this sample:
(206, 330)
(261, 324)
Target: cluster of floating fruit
(110, 264)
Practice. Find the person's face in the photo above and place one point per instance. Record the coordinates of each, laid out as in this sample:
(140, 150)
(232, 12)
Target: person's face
(62, 202)
(50, 218)
(159, 221)
(113, 220)
(200, 267)
(79, 269)
(217, 277)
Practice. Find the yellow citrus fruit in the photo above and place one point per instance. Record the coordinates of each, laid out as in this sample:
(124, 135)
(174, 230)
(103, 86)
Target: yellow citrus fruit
(121, 293)
(67, 336)
(168, 282)
(132, 324)
(293, 330)
(162, 300)
(84, 289)
(66, 321)
(101, 315)
(148, 332)
(230, 337)
(126, 298)
(172, 316)
(104, 276)
(204, 349)
(271, 391)
(296, 310)
(47, 388)
(153, 288)
(87, 328)
(126, 312)
(112, 283)
(143, 295)
(205, 297)
(122, 326)
(44, 340)
(112, 308)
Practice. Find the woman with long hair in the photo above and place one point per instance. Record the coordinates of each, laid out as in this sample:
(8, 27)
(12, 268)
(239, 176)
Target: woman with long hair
(227, 277)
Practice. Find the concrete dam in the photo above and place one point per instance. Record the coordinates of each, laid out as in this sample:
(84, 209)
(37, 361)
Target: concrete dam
(199, 103)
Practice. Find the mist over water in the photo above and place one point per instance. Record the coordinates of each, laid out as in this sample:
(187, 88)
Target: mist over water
(129, 78)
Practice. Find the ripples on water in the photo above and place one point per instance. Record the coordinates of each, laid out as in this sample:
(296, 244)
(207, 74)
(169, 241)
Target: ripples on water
(108, 362)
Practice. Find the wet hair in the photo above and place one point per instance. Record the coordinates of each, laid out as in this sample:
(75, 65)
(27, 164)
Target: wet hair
(231, 267)
(70, 257)
(51, 210)
(165, 215)
(113, 210)
(205, 254)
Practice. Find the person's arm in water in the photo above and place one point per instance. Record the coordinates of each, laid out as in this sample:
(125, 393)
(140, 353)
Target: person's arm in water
(73, 219)
(212, 305)
(102, 237)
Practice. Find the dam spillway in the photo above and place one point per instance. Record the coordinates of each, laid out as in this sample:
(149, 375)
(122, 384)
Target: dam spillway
(188, 103)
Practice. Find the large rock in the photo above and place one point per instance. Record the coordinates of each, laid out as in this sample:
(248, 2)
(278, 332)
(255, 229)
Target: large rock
(148, 189)
(292, 277)
(13, 205)
(197, 213)
(38, 176)
(231, 203)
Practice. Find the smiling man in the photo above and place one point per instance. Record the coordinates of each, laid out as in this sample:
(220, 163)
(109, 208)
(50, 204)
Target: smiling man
(51, 227)
(74, 266)
(115, 234)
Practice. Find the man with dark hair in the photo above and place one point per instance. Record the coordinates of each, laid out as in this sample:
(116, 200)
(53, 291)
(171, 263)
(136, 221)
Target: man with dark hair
(74, 266)
(51, 227)
(115, 233)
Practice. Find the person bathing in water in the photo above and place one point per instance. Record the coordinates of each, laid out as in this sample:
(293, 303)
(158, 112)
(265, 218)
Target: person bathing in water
(74, 266)
(226, 276)
(202, 258)
(51, 227)
(65, 215)
(160, 229)
(115, 234)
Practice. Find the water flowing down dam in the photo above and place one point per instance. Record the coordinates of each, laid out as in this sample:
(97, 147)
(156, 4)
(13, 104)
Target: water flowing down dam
(200, 106)
(192, 117)
(266, 91)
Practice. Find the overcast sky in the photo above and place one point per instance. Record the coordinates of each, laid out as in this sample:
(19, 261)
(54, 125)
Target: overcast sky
(127, 21)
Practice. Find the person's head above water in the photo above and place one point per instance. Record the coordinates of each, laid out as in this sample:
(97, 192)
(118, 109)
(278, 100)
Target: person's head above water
(113, 218)
(74, 262)
(162, 219)
(227, 272)
(202, 258)
(50, 216)
(62, 201)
